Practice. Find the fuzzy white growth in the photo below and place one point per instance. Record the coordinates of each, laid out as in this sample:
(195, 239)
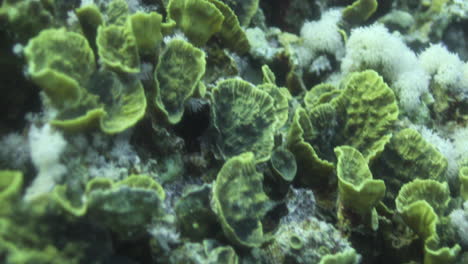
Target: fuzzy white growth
(445, 67)
(177, 35)
(375, 48)
(460, 143)
(18, 49)
(14, 151)
(261, 47)
(86, 2)
(322, 36)
(46, 147)
(72, 19)
(459, 219)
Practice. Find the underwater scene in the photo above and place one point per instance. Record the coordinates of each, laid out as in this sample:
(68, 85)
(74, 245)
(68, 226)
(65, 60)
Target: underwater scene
(234, 131)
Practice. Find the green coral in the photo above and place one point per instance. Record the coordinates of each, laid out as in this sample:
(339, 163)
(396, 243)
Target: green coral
(409, 156)
(357, 190)
(268, 75)
(181, 67)
(240, 203)
(243, 119)
(194, 215)
(421, 203)
(25, 18)
(124, 101)
(360, 116)
(231, 33)
(36, 232)
(434, 193)
(90, 18)
(311, 169)
(117, 48)
(147, 30)
(63, 65)
(360, 11)
(281, 95)
(370, 109)
(116, 12)
(125, 207)
(284, 164)
(347, 257)
(320, 94)
(463, 176)
(60, 62)
(120, 104)
(198, 19)
(10, 188)
(244, 9)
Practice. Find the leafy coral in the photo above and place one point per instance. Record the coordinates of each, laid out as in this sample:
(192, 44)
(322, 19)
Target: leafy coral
(226, 131)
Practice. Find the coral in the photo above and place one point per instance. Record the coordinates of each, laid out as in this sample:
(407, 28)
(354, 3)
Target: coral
(90, 18)
(360, 11)
(448, 82)
(46, 147)
(239, 201)
(177, 74)
(60, 62)
(261, 47)
(408, 156)
(127, 206)
(357, 190)
(231, 33)
(72, 84)
(420, 203)
(306, 157)
(243, 119)
(14, 153)
(347, 257)
(10, 187)
(199, 20)
(125, 102)
(115, 11)
(244, 9)
(195, 217)
(463, 177)
(140, 22)
(117, 48)
(459, 219)
(281, 97)
(25, 18)
(284, 164)
(444, 146)
(320, 94)
(433, 193)
(322, 36)
(283, 131)
(359, 117)
(373, 47)
(370, 109)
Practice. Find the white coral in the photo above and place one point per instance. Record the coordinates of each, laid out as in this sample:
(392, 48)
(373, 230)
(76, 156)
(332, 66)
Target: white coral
(322, 36)
(459, 219)
(445, 67)
(46, 147)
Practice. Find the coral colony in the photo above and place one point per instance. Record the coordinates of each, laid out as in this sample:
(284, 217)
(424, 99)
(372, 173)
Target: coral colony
(234, 131)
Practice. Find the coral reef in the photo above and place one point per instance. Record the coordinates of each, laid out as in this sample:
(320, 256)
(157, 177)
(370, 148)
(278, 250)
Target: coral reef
(234, 131)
